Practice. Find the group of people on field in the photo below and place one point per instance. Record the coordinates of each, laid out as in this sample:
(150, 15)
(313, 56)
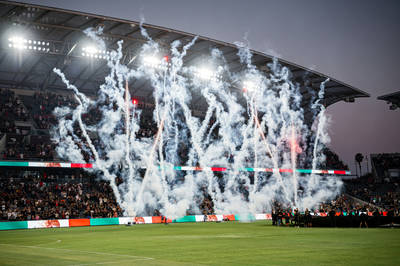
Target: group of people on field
(286, 217)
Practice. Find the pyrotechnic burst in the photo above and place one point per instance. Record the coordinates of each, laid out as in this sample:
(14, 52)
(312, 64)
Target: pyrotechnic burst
(267, 131)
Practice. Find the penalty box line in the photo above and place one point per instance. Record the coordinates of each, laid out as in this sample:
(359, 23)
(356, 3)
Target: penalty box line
(84, 251)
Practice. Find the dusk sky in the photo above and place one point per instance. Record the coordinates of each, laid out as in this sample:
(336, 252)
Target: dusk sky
(356, 42)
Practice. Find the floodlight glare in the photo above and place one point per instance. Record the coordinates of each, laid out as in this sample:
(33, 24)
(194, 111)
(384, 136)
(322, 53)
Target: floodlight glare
(249, 85)
(204, 73)
(20, 43)
(93, 52)
(151, 60)
(90, 49)
(17, 42)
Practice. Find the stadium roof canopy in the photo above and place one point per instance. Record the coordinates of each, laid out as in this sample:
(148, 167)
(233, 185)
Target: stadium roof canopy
(59, 35)
(392, 98)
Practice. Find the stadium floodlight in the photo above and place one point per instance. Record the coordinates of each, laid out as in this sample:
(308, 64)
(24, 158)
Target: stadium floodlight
(249, 85)
(151, 61)
(155, 61)
(251, 82)
(204, 73)
(17, 42)
(90, 50)
(20, 43)
(94, 52)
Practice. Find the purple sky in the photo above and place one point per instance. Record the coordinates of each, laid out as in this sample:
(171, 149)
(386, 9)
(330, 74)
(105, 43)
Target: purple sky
(356, 42)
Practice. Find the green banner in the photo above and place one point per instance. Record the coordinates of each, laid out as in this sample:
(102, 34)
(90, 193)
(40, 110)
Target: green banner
(185, 219)
(13, 225)
(304, 171)
(104, 221)
(5, 163)
(245, 217)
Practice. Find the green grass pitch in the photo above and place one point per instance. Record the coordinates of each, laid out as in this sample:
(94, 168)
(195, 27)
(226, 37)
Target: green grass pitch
(230, 243)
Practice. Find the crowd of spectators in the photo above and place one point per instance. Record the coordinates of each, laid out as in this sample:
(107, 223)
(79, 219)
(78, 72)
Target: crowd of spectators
(21, 143)
(41, 196)
(40, 107)
(11, 108)
(45, 197)
(206, 205)
(42, 104)
(18, 147)
(382, 193)
(384, 162)
(387, 160)
(147, 129)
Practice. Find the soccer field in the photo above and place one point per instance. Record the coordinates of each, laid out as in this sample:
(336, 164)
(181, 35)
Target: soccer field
(230, 243)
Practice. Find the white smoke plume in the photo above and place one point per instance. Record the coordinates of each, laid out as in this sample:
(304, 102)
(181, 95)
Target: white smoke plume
(253, 120)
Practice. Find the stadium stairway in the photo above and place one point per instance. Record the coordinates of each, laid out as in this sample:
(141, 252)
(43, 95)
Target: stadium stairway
(362, 202)
(3, 138)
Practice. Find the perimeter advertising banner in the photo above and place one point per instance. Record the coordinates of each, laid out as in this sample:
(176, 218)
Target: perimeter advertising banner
(48, 223)
(58, 223)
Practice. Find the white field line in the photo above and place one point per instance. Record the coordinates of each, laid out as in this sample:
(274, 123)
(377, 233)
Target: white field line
(106, 262)
(84, 251)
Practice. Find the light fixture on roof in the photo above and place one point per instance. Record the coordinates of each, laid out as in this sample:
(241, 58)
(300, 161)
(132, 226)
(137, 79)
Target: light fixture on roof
(249, 85)
(251, 82)
(151, 60)
(204, 73)
(20, 43)
(349, 99)
(17, 42)
(155, 61)
(208, 72)
(94, 52)
(90, 49)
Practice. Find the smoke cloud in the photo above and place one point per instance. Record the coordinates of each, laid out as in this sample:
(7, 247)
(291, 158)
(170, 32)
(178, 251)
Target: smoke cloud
(253, 119)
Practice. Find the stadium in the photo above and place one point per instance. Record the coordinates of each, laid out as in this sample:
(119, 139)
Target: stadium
(128, 143)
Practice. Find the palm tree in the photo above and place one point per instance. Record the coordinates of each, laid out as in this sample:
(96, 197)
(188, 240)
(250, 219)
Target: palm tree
(359, 158)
